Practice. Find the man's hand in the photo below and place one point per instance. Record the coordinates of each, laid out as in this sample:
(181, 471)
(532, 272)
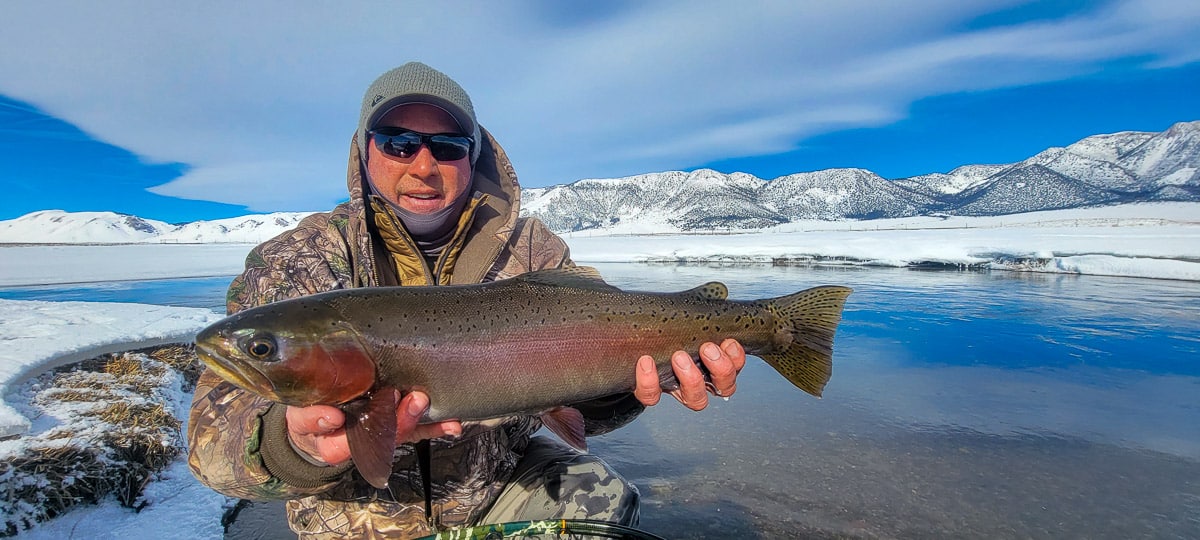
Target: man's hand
(723, 364)
(318, 430)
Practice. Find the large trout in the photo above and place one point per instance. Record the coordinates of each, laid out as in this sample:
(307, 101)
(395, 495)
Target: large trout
(532, 344)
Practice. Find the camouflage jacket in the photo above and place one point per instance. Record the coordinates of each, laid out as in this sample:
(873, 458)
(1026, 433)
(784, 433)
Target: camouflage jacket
(237, 441)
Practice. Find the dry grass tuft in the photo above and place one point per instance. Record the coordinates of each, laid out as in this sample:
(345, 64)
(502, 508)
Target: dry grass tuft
(79, 476)
(81, 383)
(124, 366)
(120, 434)
(71, 395)
(181, 358)
(138, 417)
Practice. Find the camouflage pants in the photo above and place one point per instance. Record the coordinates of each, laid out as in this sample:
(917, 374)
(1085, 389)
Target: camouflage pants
(554, 481)
(551, 481)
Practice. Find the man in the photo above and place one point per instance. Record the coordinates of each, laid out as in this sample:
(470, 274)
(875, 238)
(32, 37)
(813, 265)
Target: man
(433, 201)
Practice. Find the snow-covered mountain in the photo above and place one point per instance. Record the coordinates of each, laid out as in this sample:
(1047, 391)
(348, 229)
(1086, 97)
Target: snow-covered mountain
(59, 227)
(254, 229)
(1115, 168)
(1099, 170)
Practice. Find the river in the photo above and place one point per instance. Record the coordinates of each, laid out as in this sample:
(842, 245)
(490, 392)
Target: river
(963, 404)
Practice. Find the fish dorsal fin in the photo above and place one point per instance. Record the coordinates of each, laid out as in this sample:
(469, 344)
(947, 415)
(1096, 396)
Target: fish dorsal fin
(713, 290)
(579, 277)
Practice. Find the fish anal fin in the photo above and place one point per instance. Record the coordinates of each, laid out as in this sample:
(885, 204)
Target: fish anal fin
(579, 277)
(371, 434)
(713, 290)
(567, 423)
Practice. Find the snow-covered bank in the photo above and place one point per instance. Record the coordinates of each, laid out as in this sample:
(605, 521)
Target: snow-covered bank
(178, 506)
(38, 336)
(1139, 240)
(1167, 252)
(1144, 240)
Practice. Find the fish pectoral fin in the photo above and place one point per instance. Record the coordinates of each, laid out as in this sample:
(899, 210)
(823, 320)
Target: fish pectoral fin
(567, 423)
(371, 434)
(579, 277)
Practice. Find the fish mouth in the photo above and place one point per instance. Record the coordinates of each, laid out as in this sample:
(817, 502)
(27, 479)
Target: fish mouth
(235, 371)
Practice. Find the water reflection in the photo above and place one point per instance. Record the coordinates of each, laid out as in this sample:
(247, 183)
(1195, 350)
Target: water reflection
(185, 292)
(963, 404)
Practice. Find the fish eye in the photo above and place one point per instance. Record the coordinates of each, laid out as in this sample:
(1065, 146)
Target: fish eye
(261, 346)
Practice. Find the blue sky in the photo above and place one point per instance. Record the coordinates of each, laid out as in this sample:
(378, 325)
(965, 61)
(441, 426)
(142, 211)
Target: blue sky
(181, 113)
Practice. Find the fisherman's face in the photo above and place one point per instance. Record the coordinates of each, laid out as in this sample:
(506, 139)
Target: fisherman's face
(420, 183)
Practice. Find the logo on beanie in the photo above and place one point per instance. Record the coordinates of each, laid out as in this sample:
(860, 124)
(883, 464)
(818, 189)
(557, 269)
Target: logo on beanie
(375, 100)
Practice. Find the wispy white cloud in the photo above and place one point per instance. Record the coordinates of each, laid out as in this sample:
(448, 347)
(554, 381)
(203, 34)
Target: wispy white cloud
(261, 97)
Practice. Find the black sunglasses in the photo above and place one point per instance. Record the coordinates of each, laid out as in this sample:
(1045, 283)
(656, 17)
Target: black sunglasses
(404, 143)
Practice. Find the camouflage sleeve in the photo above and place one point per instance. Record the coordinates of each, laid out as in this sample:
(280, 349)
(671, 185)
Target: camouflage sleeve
(532, 246)
(311, 258)
(538, 248)
(231, 431)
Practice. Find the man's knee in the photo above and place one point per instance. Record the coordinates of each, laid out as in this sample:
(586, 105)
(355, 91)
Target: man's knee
(553, 481)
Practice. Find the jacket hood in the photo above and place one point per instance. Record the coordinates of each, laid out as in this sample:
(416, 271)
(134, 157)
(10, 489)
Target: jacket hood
(495, 219)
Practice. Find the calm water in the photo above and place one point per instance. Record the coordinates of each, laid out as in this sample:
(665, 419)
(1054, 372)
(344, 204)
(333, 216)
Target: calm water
(962, 405)
(190, 292)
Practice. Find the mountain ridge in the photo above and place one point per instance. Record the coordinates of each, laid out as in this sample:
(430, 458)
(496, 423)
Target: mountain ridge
(1098, 170)
(1105, 169)
(61, 227)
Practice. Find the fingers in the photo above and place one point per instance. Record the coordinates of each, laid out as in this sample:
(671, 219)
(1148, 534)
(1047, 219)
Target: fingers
(314, 420)
(736, 353)
(450, 428)
(723, 364)
(648, 388)
(692, 392)
(317, 431)
(408, 421)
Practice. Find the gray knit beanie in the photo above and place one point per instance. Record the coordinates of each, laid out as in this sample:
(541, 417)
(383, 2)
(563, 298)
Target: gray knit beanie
(415, 82)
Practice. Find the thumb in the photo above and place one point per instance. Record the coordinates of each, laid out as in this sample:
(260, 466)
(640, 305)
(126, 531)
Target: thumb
(314, 420)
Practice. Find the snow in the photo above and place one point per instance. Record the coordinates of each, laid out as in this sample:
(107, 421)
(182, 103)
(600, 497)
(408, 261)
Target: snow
(78, 227)
(1154, 240)
(56, 264)
(59, 227)
(1142, 240)
(178, 506)
(1178, 178)
(1146, 240)
(37, 336)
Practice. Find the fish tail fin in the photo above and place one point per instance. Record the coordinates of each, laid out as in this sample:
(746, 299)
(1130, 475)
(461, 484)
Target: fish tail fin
(803, 341)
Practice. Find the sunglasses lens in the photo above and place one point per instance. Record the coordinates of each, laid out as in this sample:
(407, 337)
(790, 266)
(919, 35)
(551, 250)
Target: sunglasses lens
(406, 144)
(401, 145)
(449, 148)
